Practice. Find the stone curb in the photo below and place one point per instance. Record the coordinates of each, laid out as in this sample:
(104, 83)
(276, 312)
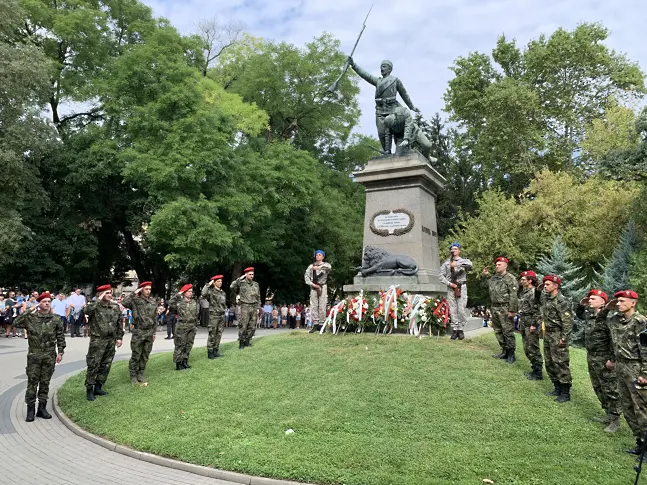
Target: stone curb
(162, 461)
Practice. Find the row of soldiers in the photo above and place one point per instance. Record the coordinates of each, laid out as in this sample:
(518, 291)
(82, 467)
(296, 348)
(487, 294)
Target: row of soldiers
(615, 341)
(46, 338)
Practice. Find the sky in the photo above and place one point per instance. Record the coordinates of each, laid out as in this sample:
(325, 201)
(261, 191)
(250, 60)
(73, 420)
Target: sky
(421, 37)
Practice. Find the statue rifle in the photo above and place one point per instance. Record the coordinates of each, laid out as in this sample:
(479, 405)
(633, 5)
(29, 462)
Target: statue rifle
(333, 87)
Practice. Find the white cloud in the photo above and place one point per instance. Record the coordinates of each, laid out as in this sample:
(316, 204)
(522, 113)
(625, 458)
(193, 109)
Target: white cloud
(421, 37)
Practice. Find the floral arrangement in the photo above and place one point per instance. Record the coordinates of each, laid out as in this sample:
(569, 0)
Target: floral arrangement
(357, 312)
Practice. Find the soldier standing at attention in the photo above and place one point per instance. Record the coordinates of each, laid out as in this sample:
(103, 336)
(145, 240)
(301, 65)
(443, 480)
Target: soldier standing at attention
(187, 321)
(453, 273)
(503, 298)
(106, 332)
(599, 350)
(250, 301)
(530, 323)
(46, 343)
(214, 293)
(144, 308)
(316, 277)
(629, 360)
(558, 325)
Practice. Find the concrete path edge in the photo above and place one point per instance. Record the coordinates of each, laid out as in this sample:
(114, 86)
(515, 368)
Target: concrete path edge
(162, 461)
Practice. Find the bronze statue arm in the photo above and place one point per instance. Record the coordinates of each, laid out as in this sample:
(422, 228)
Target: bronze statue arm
(404, 95)
(365, 75)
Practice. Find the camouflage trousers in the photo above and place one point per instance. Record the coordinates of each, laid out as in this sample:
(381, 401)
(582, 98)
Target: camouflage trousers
(40, 368)
(101, 351)
(557, 358)
(318, 305)
(503, 328)
(216, 326)
(605, 383)
(247, 321)
(632, 401)
(183, 339)
(531, 341)
(141, 345)
(457, 308)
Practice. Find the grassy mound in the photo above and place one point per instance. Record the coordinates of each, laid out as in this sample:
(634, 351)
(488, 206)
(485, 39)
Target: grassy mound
(364, 410)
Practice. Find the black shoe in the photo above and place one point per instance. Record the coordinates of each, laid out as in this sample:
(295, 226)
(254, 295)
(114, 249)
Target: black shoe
(565, 394)
(89, 393)
(216, 354)
(98, 391)
(461, 335)
(248, 343)
(241, 345)
(535, 375)
(186, 364)
(454, 335)
(638, 449)
(210, 354)
(31, 412)
(555, 392)
(42, 412)
(179, 366)
(167, 338)
(502, 355)
(510, 358)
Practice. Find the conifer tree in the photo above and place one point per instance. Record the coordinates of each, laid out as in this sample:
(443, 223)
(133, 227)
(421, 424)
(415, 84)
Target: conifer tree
(615, 275)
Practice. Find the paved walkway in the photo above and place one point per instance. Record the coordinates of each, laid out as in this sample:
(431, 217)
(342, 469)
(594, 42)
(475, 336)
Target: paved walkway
(46, 451)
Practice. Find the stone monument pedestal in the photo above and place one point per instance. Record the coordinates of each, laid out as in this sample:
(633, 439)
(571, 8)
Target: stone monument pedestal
(400, 218)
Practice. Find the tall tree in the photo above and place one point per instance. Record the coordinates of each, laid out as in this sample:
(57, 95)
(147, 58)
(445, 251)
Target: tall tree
(559, 263)
(615, 276)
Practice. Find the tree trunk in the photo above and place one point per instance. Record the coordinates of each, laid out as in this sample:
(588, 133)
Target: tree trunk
(236, 270)
(134, 252)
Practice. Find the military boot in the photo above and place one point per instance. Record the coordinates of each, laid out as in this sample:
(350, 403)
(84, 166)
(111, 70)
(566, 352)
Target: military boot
(216, 354)
(556, 391)
(186, 364)
(42, 411)
(536, 374)
(636, 450)
(565, 393)
(210, 354)
(134, 381)
(179, 366)
(248, 343)
(89, 393)
(502, 355)
(141, 379)
(461, 335)
(510, 358)
(241, 345)
(98, 391)
(614, 424)
(31, 412)
(454, 335)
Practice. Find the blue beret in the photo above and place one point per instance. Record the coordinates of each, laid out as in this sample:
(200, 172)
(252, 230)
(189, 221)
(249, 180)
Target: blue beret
(455, 244)
(320, 251)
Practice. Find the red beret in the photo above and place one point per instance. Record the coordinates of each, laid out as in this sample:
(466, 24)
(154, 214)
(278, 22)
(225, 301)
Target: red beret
(529, 274)
(555, 279)
(626, 294)
(186, 287)
(145, 284)
(44, 295)
(217, 277)
(104, 288)
(501, 258)
(249, 269)
(600, 293)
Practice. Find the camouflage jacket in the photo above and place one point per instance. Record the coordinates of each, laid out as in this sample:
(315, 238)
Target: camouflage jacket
(597, 336)
(503, 291)
(216, 297)
(557, 316)
(249, 291)
(529, 306)
(186, 311)
(104, 320)
(321, 274)
(460, 271)
(45, 332)
(625, 337)
(144, 311)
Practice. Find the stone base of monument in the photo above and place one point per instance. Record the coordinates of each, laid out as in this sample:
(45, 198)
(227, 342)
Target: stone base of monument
(400, 236)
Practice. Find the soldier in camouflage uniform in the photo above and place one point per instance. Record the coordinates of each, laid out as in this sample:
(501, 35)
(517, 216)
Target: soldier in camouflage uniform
(250, 301)
(453, 273)
(106, 333)
(316, 277)
(144, 308)
(503, 298)
(530, 323)
(599, 349)
(187, 311)
(46, 344)
(217, 299)
(558, 325)
(628, 332)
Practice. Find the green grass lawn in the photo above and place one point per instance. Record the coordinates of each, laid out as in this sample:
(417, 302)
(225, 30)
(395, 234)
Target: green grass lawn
(365, 410)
